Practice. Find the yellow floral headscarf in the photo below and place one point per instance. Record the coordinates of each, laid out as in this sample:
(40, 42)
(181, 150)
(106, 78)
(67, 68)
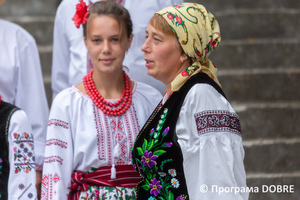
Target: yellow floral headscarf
(198, 33)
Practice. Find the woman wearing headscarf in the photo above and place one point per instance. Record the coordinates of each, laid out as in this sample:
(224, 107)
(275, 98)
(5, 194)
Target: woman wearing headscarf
(191, 146)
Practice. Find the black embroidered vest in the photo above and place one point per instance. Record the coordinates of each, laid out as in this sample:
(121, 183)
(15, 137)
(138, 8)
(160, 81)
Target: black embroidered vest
(6, 111)
(156, 154)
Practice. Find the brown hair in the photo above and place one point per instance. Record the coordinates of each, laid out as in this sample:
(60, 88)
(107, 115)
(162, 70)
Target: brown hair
(159, 23)
(112, 9)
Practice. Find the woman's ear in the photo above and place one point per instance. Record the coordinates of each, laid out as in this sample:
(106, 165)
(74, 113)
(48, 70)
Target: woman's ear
(129, 42)
(85, 41)
(183, 58)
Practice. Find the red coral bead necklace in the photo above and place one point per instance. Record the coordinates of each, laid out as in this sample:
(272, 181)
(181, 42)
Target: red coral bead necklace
(114, 109)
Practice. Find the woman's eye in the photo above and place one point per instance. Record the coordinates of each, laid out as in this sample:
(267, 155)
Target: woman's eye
(156, 39)
(115, 40)
(96, 40)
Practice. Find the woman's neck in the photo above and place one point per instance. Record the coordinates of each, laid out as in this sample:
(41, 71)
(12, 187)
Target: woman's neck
(182, 67)
(110, 86)
(168, 88)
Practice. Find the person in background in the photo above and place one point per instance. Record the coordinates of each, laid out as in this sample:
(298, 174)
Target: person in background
(17, 160)
(192, 141)
(21, 83)
(70, 61)
(92, 126)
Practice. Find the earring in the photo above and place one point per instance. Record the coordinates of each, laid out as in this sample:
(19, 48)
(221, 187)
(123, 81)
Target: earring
(181, 61)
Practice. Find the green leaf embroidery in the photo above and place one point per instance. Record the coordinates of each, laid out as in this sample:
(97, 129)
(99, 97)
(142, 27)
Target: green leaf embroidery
(171, 195)
(149, 175)
(140, 151)
(145, 145)
(150, 145)
(159, 152)
(146, 187)
(165, 161)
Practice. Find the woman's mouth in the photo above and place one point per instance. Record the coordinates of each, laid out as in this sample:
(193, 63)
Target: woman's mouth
(107, 61)
(148, 63)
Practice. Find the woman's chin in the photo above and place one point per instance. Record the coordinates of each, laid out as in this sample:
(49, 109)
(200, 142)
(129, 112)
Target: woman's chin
(150, 72)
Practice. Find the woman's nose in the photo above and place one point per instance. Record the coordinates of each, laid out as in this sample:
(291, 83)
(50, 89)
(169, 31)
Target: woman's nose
(106, 47)
(145, 47)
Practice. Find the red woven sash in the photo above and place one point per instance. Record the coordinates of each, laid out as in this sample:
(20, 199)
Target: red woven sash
(126, 176)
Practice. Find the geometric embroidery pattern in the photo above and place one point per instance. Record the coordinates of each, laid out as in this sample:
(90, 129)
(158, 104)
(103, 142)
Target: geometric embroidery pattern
(45, 189)
(24, 159)
(217, 121)
(119, 140)
(24, 193)
(57, 122)
(56, 142)
(116, 133)
(101, 134)
(52, 159)
(48, 183)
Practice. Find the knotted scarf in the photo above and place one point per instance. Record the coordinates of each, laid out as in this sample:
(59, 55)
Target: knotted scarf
(198, 33)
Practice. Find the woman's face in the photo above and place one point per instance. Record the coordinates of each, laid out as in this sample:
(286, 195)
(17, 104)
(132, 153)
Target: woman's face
(103, 43)
(162, 54)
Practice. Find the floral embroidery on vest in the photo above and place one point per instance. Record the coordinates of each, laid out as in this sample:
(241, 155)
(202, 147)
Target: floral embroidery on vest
(158, 180)
(0, 165)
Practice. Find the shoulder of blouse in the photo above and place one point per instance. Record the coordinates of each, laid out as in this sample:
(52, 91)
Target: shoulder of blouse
(143, 90)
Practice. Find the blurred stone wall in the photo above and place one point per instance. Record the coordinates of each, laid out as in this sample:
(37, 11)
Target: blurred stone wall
(259, 68)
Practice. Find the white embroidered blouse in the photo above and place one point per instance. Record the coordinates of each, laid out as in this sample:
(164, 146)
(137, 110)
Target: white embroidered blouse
(80, 137)
(22, 176)
(21, 80)
(212, 148)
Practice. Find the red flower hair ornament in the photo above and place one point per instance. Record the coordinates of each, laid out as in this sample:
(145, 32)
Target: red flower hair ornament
(81, 15)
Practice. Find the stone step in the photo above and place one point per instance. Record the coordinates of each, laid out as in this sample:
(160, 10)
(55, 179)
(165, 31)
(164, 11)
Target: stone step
(272, 55)
(47, 84)
(259, 87)
(48, 7)
(45, 53)
(237, 25)
(221, 5)
(29, 7)
(264, 183)
(249, 54)
(266, 121)
(251, 24)
(272, 156)
(245, 87)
